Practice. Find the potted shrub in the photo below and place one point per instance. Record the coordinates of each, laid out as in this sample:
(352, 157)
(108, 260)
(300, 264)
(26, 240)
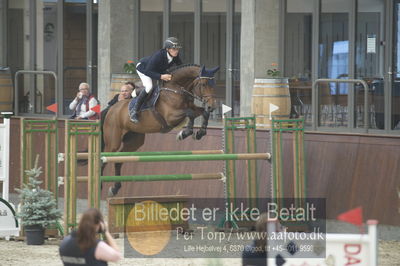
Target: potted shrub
(38, 207)
(119, 79)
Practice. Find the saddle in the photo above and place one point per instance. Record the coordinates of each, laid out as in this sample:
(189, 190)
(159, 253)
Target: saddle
(149, 104)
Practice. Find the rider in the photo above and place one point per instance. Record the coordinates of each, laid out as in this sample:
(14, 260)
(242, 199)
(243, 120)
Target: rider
(155, 67)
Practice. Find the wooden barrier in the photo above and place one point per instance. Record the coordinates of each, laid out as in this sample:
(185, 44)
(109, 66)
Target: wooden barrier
(6, 90)
(120, 207)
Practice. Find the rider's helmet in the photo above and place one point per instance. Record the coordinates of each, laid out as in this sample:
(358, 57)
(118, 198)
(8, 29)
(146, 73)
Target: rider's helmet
(172, 42)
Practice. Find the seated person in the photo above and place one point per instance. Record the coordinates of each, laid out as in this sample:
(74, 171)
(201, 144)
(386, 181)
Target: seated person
(125, 93)
(82, 247)
(83, 103)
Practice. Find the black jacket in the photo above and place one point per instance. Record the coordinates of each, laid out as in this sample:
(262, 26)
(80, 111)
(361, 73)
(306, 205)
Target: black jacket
(156, 64)
(72, 255)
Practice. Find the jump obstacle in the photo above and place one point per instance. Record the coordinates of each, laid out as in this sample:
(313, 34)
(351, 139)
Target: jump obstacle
(337, 244)
(74, 129)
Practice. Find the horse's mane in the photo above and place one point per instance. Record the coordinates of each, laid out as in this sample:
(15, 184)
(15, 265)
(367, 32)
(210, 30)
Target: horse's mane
(176, 68)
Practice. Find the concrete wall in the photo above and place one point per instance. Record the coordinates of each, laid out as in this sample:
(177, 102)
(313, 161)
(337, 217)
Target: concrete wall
(259, 45)
(115, 42)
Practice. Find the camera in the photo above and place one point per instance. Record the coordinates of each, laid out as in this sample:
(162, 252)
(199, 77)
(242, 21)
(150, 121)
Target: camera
(101, 228)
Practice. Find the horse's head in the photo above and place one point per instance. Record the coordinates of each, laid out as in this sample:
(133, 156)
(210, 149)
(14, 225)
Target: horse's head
(204, 86)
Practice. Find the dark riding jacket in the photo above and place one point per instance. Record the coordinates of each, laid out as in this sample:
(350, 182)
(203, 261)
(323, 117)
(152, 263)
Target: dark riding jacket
(157, 64)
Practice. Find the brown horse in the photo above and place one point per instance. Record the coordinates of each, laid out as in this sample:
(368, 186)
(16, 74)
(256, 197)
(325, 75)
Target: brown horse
(174, 105)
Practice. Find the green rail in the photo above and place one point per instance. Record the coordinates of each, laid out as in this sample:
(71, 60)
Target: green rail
(161, 177)
(193, 157)
(113, 154)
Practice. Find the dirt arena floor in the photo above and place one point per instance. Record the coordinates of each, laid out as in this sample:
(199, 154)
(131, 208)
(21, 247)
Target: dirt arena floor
(17, 253)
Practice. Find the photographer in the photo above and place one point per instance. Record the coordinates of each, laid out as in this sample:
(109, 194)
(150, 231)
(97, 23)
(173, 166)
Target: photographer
(82, 247)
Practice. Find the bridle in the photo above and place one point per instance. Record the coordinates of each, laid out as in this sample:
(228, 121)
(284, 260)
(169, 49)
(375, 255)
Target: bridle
(203, 98)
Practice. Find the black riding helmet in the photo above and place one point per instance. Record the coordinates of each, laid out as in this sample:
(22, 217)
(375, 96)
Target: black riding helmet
(172, 42)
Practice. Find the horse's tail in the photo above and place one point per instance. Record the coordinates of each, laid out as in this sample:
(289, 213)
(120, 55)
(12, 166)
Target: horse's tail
(103, 114)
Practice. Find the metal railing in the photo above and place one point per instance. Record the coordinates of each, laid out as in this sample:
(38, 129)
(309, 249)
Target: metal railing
(32, 95)
(315, 101)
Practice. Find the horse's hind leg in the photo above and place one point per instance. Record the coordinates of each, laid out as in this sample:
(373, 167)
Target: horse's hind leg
(131, 141)
(117, 185)
(103, 165)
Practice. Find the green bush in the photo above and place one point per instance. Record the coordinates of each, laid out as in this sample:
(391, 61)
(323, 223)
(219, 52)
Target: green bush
(38, 205)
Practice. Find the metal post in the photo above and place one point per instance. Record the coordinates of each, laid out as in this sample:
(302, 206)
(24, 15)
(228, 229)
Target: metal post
(166, 19)
(198, 8)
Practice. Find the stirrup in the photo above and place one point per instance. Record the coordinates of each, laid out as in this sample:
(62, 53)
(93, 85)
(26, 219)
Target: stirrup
(133, 116)
(134, 119)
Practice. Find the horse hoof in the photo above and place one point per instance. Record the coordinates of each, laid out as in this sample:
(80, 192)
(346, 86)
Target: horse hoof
(111, 192)
(179, 136)
(199, 135)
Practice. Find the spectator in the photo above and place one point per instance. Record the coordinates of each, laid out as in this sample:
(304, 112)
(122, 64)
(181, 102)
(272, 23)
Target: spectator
(256, 253)
(125, 93)
(82, 247)
(83, 103)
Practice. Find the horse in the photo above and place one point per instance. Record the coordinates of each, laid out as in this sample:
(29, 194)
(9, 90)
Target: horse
(176, 102)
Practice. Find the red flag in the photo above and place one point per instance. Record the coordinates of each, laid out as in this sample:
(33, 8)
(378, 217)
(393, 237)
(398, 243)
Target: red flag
(353, 216)
(53, 108)
(96, 109)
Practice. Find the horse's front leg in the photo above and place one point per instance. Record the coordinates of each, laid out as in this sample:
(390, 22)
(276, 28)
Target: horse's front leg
(188, 131)
(203, 130)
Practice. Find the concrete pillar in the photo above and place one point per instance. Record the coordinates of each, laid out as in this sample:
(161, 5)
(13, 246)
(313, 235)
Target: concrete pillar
(115, 42)
(104, 52)
(259, 45)
(121, 34)
(3, 33)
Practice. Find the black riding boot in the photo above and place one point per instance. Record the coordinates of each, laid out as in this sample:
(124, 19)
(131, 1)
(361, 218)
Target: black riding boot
(140, 100)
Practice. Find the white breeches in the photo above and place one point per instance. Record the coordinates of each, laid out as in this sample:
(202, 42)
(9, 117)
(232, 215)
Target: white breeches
(147, 81)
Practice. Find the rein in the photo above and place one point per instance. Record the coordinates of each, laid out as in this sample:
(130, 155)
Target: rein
(182, 91)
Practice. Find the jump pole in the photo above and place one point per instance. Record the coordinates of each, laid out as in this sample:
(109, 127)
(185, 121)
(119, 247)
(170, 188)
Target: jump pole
(84, 155)
(162, 177)
(181, 158)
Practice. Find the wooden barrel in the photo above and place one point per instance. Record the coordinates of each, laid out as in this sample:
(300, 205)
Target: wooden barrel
(117, 80)
(270, 91)
(6, 90)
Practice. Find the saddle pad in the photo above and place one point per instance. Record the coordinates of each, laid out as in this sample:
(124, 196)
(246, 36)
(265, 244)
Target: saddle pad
(150, 101)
